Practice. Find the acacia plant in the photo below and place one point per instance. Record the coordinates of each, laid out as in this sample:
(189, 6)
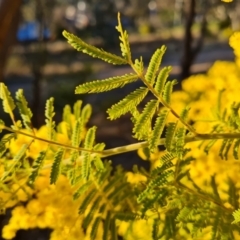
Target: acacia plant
(59, 177)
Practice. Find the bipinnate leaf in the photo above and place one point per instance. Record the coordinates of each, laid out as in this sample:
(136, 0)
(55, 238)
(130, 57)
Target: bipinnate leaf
(5, 95)
(161, 79)
(56, 167)
(92, 51)
(24, 111)
(154, 65)
(158, 129)
(106, 84)
(128, 103)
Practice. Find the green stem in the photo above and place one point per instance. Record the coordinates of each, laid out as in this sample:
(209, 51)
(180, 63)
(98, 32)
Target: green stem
(136, 146)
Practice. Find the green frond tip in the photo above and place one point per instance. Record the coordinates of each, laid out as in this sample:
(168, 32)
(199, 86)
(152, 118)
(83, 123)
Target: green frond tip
(106, 84)
(49, 114)
(95, 52)
(139, 65)
(171, 128)
(5, 95)
(158, 129)
(76, 135)
(124, 44)
(154, 65)
(128, 103)
(24, 111)
(86, 113)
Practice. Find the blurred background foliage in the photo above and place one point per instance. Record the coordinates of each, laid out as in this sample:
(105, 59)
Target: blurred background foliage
(35, 57)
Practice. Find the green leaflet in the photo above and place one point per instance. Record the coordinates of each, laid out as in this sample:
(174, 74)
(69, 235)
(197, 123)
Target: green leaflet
(38, 163)
(128, 103)
(15, 162)
(82, 190)
(94, 229)
(49, 114)
(86, 113)
(145, 116)
(5, 95)
(87, 200)
(77, 109)
(127, 216)
(113, 229)
(106, 226)
(154, 65)
(170, 132)
(124, 44)
(56, 167)
(76, 135)
(97, 160)
(161, 79)
(24, 111)
(180, 141)
(168, 91)
(139, 65)
(88, 144)
(236, 215)
(81, 46)
(106, 84)
(158, 129)
(95, 207)
(6, 139)
(236, 149)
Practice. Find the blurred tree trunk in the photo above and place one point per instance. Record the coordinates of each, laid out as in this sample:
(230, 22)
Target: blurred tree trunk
(190, 50)
(9, 19)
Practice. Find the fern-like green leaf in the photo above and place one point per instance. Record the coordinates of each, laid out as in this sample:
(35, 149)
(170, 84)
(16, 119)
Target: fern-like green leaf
(106, 84)
(161, 79)
(127, 216)
(24, 111)
(236, 215)
(4, 141)
(81, 46)
(97, 160)
(106, 226)
(94, 229)
(227, 148)
(76, 135)
(88, 144)
(38, 163)
(117, 190)
(86, 114)
(209, 145)
(77, 109)
(168, 91)
(128, 103)
(139, 65)
(184, 113)
(5, 95)
(81, 190)
(224, 144)
(87, 220)
(154, 65)
(16, 162)
(145, 116)
(49, 114)
(56, 167)
(170, 132)
(158, 129)
(236, 149)
(180, 141)
(87, 200)
(155, 229)
(124, 44)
